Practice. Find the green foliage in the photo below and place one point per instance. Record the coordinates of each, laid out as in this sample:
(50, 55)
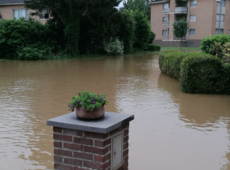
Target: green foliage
(139, 5)
(198, 72)
(17, 37)
(226, 53)
(142, 29)
(180, 28)
(152, 47)
(208, 42)
(170, 61)
(202, 73)
(151, 37)
(89, 101)
(217, 50)
(114, 47)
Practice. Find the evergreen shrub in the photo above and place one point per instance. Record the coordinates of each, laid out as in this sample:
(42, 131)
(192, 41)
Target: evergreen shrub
(152, 47)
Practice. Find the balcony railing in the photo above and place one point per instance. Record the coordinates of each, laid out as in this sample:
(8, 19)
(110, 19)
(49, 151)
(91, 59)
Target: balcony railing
(165, 37)
(183, 38)
(165, 24)
(166, 10)
(181, 10)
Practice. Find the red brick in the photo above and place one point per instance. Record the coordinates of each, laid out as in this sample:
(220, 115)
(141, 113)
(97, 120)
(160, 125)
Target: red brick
(126, 152)
(126, 139)
(95, 165)
(126, 132)
(57, 159)
(102, 159)
(96, 135)
(101, 151)
(83, 155)
(126, 158)
(62, 167)
(62, 152)
(57, 144)
(73, 146)
(72, 161)
(72, 132)
(57, 130)
(83, 141)
(62, 137)
(102, 143)
(126, 145)
(114, 131)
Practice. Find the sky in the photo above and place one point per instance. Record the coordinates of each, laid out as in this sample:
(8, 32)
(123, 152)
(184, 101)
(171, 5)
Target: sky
(121, 4)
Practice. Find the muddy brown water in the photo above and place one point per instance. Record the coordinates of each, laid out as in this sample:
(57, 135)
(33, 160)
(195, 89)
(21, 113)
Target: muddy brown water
(171, 131)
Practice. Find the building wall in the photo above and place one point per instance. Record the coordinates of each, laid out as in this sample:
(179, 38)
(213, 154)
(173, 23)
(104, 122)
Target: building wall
(227, 17)
(7, 12)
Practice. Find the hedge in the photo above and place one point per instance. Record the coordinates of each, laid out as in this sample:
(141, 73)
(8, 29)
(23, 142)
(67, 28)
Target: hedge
(152, 47)
(197, 72)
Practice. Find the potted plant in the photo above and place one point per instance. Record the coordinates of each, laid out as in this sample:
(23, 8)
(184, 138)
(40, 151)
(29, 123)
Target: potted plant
(88, 105)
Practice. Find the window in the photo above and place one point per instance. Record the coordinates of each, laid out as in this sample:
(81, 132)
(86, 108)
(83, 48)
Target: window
(165, 19)
(192, 32)
(193, 3)
(192, 18)
(219, 17)
(229, 32)
(19, 13)
(166, 6)
(219, 31)
(221, 3)
(164, 32)
(43, 15)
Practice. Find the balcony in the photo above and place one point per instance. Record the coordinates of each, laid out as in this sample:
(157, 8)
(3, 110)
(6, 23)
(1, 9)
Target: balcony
(165, 37)
(165, 24)
(181, 10)
(183, 38)
(220, 24)
(166, 10)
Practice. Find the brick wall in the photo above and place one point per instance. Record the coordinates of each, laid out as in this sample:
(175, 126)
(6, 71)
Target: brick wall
(79, 150)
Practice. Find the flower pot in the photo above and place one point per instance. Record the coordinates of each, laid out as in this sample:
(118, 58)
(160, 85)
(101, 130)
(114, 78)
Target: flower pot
(82, 113)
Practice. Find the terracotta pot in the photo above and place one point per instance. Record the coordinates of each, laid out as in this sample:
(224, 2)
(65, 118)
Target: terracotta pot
(82, 113)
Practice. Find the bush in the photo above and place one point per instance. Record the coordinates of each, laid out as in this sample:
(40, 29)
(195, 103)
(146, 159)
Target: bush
(114, 47)
(201, 73)
(152, 47)
(208, 42)
(198, 72)
(17, 36)
(170, 61)
(151, 37)
(226, 53)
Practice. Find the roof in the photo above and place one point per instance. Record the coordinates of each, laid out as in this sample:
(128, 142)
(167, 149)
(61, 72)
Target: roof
(11, 2)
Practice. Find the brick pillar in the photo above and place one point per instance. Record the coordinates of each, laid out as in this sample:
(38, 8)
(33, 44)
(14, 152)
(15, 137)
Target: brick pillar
(76, 149)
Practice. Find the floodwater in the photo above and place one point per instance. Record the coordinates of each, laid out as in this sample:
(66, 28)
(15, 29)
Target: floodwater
(171, 131)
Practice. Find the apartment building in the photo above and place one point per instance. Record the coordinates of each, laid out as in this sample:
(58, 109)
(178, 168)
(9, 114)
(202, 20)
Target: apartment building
(205, 17)
(10, 9)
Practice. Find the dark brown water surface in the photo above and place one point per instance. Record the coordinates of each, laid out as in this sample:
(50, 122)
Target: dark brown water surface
(171, 131)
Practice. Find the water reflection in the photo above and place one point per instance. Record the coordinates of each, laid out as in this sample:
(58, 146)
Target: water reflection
(171, 130)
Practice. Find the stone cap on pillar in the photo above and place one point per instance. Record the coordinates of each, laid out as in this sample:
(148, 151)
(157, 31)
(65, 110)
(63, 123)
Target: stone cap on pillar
(104, 125)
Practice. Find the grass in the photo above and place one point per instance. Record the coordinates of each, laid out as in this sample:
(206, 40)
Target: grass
(178, 48)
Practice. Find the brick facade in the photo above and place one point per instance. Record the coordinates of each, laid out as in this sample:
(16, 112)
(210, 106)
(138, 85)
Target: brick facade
(81, 150)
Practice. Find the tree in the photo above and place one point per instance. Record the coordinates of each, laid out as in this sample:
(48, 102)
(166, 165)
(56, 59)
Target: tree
(69, 13)
(140, 5)
(180, 29)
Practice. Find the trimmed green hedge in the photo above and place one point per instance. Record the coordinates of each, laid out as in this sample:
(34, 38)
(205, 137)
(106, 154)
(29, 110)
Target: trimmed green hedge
(198, 72)
(152, 47)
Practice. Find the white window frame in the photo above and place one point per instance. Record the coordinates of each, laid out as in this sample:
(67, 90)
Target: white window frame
(43, 13)
(164, 20)
(192, 18)
(26, 12)
(193, 3)
(192, 33)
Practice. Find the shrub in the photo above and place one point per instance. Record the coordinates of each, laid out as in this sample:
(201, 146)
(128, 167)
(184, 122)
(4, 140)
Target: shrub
(152, 47)
(17, 36)
(170, 61)
(201, 73)
(225, 78)
(217, 50)
(226, 53)
(151, 37)
(208, 42)
(114, 46)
